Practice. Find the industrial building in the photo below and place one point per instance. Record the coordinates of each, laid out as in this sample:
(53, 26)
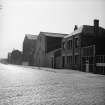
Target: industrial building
(29, 47)
(46, 43)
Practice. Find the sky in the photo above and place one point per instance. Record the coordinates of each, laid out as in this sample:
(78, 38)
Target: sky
(20, 17)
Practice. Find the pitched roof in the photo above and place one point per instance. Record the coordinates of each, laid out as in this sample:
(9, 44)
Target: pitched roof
(84, 29)
(31, 37)
(79, 30)
(53, 34)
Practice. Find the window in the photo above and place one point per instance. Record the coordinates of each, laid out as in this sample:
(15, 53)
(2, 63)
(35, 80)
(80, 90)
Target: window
(63, 45)
(69, 59)
(100, 59)
(69, 44)
(76, 42)
(63, 61)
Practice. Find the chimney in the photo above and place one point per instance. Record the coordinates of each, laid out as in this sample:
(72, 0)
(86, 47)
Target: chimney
(96, 26)
(76, 27)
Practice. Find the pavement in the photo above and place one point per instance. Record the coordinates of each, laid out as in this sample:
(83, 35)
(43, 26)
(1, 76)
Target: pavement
(24, 85)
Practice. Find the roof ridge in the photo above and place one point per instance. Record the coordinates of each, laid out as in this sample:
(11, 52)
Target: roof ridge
(53, 33)
(30, 36)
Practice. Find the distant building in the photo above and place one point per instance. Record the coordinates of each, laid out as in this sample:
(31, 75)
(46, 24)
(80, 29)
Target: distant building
(84, 46)
(4, 60)
(46, 42)
(9, 57)
(29, 47)
(16, 57)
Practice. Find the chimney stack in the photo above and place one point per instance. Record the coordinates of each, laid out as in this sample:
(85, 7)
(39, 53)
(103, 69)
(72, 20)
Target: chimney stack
(76, 27)
(96, 26)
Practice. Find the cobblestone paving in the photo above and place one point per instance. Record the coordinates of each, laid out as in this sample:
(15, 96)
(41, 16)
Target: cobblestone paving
(30, 86)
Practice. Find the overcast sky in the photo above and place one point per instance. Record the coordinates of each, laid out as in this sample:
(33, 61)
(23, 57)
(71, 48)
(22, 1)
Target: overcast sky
(20, 17)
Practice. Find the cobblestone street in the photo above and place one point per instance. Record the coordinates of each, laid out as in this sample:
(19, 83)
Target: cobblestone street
(42, 86)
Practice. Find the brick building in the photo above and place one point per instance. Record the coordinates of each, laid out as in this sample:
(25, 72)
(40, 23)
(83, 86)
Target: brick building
(82, 46)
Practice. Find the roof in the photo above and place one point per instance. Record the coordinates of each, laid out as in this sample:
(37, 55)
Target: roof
(84, 29)
(79, 30)
(31, 37)
(53, 34)
(55, 50)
